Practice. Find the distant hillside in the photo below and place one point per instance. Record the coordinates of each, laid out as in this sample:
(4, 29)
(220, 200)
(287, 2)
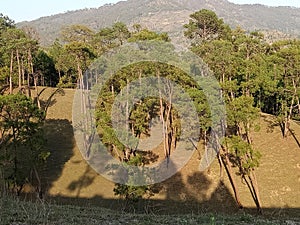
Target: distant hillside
(169, 16)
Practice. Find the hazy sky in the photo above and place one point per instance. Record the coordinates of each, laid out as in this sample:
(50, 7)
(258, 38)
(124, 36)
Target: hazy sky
(20, 10)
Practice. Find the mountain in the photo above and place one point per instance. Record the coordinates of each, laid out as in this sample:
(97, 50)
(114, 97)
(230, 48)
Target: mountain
(169, 16)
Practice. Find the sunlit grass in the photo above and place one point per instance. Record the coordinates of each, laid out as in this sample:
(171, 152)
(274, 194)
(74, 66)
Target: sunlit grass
(17, 212)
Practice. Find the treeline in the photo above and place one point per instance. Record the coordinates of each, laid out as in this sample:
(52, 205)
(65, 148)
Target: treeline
(24, 67)
(255, 76)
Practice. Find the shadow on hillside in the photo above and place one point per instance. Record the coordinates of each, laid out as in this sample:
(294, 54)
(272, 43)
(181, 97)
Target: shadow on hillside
(179, 200)
(60, 143)
(85, 180)
(273, 123)
(180, 195)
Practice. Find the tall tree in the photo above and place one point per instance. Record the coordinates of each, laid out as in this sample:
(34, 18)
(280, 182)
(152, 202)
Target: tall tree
(21, 145)
(205, 25)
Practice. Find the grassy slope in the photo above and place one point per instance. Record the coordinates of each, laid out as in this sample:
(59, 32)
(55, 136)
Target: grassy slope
(15, 212)
(70, 180)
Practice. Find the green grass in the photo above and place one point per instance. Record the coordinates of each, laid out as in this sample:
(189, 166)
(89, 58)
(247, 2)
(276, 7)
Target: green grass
(17, 212)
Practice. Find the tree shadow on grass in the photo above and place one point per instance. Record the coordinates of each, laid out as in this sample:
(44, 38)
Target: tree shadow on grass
(183, 195)
(85, 180)
(60, 143)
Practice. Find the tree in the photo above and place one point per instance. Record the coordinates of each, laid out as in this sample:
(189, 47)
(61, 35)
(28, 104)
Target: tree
(236, 59)
(121, 32)
(205, 25)
(75, 55)
(61, 60)
(5, 23)
(144, 34)
(80, 55)
(77, 33)
(284, 61)
(17, 56)
(110, 37)
(44, 66)
(21, 146)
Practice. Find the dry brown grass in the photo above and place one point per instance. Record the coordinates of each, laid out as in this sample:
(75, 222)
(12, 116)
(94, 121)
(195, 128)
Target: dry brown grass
(69, 177)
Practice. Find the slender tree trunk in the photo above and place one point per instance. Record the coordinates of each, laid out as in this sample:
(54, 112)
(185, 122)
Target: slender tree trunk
(22, 71)
(227, 165)
(112, 90)
(11, 72)
(168, 123)
(30, 67)
(162, 119)
(35, 80)
(298, 105)
(19, 68)
(127, 112)
(254, 184)
(288, 119)
(221, 167)
(39, 184)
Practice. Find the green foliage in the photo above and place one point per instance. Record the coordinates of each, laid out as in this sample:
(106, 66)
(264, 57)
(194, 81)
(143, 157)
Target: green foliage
(146, 109)
(204, 25)
(242, 112)
(44, 65)
(5, 23)
(130, 192)
(243, 155)
(22, 141)
(76, 33)
(145, 34)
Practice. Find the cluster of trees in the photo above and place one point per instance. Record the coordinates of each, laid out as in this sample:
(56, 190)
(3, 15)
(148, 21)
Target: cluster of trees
(255, 76)
(22, 152)
(23, 66)
(81, 46)
(22, 62)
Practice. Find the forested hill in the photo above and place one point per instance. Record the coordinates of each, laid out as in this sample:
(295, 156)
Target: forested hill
(170, 15)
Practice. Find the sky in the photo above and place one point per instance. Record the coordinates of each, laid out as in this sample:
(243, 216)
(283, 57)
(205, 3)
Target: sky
(21, 10)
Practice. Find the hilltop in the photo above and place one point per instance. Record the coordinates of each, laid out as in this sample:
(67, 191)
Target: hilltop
(170, 15)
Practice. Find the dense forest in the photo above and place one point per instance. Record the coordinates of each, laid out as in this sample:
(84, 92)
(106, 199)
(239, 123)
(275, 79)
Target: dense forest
(254, 75)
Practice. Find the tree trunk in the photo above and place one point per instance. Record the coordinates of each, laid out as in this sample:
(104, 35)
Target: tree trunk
(162, 119)
(227, 165)
(31, 67)
(254, 184)
(35, 80)
(221, 168)
(11, 72)
(127, 112)
(19, 68)
(168, 122)
(39, 184)
(298, 105)
(288, 119)
(22, 71)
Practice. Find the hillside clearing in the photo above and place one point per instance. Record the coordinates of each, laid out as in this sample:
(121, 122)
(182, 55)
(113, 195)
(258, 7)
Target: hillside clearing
(68, 176)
